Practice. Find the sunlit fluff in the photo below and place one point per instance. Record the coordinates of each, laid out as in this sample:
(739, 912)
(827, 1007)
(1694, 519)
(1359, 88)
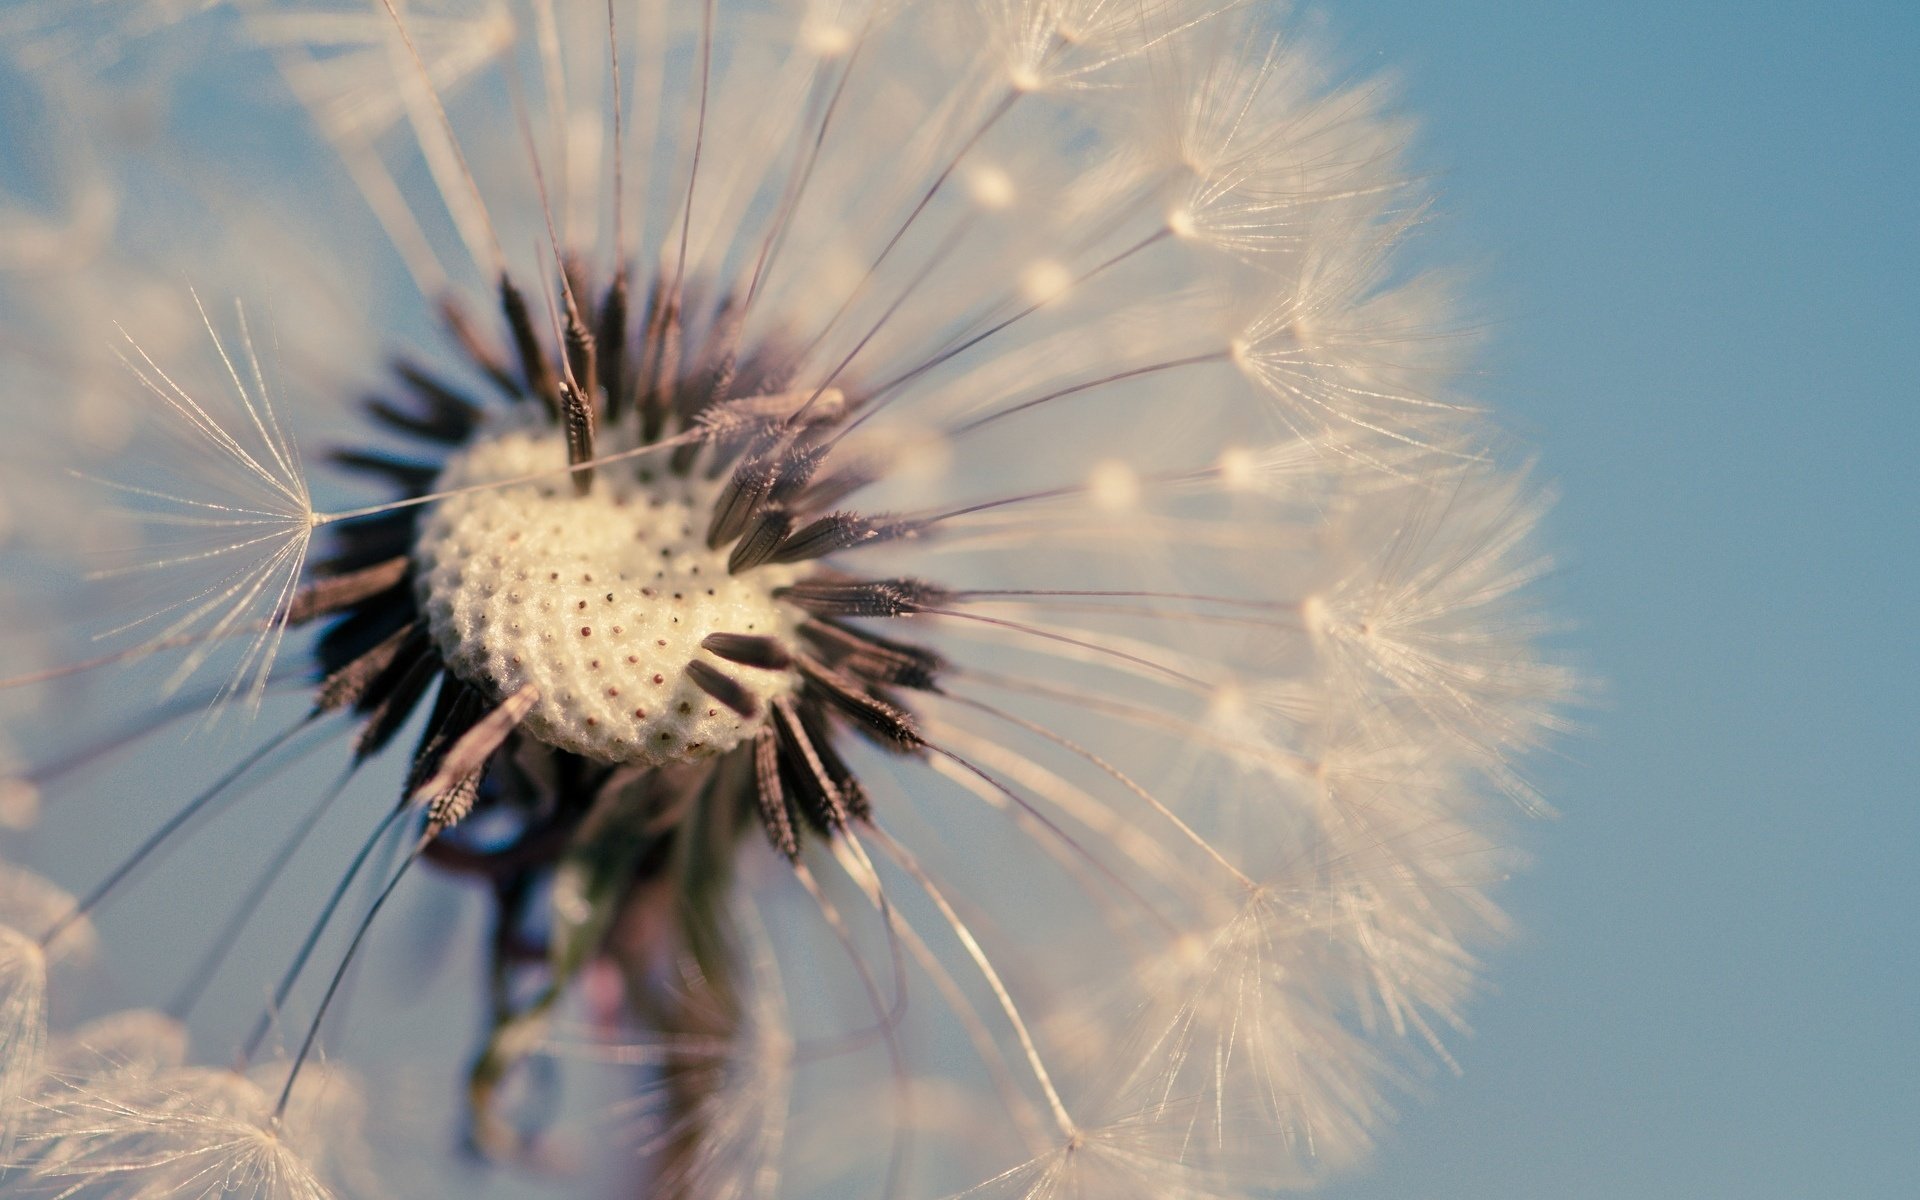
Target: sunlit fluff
(929, 558)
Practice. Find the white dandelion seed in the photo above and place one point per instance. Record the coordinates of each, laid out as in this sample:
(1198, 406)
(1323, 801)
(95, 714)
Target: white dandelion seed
(132, 1043)
(241, 523)
(993, 452)
(174, 1132)
(1402, 627)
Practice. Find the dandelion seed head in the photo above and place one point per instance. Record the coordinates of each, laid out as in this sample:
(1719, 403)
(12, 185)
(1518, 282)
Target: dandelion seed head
(1402, 626)
(130, 1043)
(925, 557)
(177, 1132)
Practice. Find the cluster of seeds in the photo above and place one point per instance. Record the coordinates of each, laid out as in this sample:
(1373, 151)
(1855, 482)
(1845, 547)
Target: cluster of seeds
(599, 600)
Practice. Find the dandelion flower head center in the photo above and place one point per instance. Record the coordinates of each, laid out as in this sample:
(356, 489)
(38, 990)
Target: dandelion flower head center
(599, 600)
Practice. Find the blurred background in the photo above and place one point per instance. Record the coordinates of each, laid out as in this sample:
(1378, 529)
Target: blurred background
(1695, 232)
(1691, 230)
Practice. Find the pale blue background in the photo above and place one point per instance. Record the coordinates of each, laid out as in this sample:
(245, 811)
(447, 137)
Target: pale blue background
(1697, 228)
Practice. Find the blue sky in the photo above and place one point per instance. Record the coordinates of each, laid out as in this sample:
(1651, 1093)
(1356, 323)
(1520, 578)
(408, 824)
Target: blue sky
(1695, 233)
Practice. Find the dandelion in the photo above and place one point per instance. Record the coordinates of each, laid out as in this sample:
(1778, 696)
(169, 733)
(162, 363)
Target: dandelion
(924, 556)
(136, 1128)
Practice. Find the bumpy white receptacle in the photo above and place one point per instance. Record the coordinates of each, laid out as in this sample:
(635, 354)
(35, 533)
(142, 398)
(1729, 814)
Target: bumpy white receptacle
(600, 601)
